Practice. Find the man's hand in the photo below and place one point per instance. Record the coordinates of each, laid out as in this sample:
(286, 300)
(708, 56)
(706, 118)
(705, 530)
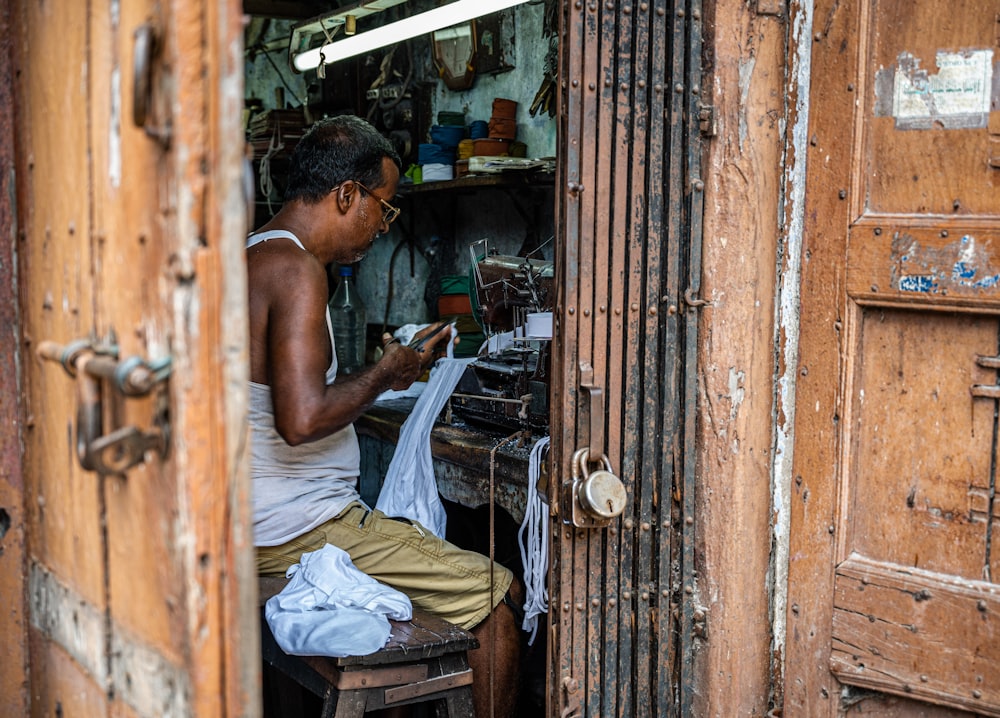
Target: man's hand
(408, 364)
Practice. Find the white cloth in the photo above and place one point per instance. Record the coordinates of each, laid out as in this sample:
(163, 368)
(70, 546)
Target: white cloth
(410, 490)
(330, 608)
(533, 540)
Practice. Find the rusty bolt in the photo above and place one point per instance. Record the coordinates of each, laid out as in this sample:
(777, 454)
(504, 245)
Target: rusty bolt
(850, 87)
(944, 232)
(977, 694)
(842, 194)
(627, 595)
(878, 231)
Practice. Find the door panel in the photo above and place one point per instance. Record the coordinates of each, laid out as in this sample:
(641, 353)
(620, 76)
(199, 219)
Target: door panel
(919, 446)
(141, 592)
(896, 416)
(624, 221)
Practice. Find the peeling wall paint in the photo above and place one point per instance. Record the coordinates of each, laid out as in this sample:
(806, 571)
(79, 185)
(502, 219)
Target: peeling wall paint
(787, 323)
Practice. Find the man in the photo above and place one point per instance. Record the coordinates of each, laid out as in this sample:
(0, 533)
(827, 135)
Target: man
(305, 455)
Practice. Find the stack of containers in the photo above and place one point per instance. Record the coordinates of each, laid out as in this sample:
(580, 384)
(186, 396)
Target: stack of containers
(502, 129)
(437, 158)
(455, 305)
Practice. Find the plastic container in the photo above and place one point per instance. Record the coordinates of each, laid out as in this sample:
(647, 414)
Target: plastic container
(350, 323)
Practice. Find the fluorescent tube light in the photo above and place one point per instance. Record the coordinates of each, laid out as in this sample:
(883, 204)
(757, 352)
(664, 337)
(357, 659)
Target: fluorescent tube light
(421, 24)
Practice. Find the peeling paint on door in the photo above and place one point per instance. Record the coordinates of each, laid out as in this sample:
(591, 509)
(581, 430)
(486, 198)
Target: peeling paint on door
(957, 96)
(961, 265)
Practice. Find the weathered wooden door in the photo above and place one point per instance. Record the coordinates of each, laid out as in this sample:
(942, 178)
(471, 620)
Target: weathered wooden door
(140, 598)
(628, 230)
(893, 596)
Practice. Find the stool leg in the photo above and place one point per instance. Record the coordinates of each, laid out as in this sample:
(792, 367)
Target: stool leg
(344, 704)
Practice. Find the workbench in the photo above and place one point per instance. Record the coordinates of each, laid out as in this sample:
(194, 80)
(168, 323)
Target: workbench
(461, 458)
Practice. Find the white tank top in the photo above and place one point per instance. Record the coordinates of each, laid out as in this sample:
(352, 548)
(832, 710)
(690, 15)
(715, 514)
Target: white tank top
(297, 488)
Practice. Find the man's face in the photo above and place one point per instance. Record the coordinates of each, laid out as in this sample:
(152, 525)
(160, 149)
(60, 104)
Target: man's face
(367, 215)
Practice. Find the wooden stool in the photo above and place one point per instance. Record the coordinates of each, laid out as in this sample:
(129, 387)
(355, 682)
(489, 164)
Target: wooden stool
(425, 660)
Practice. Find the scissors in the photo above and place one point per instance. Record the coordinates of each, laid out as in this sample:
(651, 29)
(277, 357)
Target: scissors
(418, 344)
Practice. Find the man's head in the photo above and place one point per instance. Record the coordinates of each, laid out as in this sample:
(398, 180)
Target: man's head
(336, 150)
(346, 173)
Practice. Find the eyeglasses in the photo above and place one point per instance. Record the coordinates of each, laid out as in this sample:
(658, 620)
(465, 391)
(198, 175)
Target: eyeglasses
(389, 213)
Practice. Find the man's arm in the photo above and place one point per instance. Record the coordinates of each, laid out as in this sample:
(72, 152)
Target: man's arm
(298, 355)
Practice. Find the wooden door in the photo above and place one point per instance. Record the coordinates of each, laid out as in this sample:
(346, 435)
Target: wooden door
(893, 596)
(628, 219)
(130, 215)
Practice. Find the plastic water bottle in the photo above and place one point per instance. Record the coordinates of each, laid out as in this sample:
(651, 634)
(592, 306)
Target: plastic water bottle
(347, 314)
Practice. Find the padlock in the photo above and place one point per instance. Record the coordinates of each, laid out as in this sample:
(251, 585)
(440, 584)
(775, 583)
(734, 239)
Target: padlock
(601, 493)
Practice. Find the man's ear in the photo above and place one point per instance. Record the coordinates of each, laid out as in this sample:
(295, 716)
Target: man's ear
(345, 195)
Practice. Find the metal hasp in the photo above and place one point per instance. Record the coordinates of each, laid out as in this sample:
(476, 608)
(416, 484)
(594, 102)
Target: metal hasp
(96, 369)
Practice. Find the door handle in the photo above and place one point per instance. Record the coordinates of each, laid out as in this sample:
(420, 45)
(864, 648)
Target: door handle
(94, 367)
(143, 53)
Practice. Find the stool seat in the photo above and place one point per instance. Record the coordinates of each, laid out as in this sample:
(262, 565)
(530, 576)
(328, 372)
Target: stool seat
(425, 659)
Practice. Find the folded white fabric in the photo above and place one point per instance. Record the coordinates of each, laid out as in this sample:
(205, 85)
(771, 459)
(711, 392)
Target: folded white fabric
(331, 608)
(410, 489)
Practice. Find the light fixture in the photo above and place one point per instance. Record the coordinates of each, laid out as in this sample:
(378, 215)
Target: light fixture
(420, 24)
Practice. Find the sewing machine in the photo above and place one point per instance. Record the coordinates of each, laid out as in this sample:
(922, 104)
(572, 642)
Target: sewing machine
(508, 385)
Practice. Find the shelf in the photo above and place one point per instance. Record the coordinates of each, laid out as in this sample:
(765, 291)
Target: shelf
(505, 180)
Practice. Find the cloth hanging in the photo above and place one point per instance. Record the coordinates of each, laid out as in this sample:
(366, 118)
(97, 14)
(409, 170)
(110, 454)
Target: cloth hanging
(410, 490)
(533, 540)
(330, 608)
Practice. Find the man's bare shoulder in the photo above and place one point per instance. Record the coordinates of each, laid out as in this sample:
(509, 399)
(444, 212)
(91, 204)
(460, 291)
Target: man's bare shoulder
(279, 265)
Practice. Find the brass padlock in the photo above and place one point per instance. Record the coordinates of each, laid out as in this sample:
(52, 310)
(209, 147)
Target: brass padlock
(601, 493)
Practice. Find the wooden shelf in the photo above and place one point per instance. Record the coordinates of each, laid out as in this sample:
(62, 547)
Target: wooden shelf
(505, 180)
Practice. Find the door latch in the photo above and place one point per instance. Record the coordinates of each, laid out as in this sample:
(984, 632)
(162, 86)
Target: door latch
(96, 368)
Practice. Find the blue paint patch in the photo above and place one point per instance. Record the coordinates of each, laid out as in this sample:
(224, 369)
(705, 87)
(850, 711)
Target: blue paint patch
(962, 271)
(986, 282)
(917, 283)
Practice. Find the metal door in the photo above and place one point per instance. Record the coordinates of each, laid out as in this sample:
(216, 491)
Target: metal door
(628, 221)
(893, 595)
(140, 597)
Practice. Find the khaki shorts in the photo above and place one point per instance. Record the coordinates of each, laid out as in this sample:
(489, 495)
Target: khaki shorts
(439, 577)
